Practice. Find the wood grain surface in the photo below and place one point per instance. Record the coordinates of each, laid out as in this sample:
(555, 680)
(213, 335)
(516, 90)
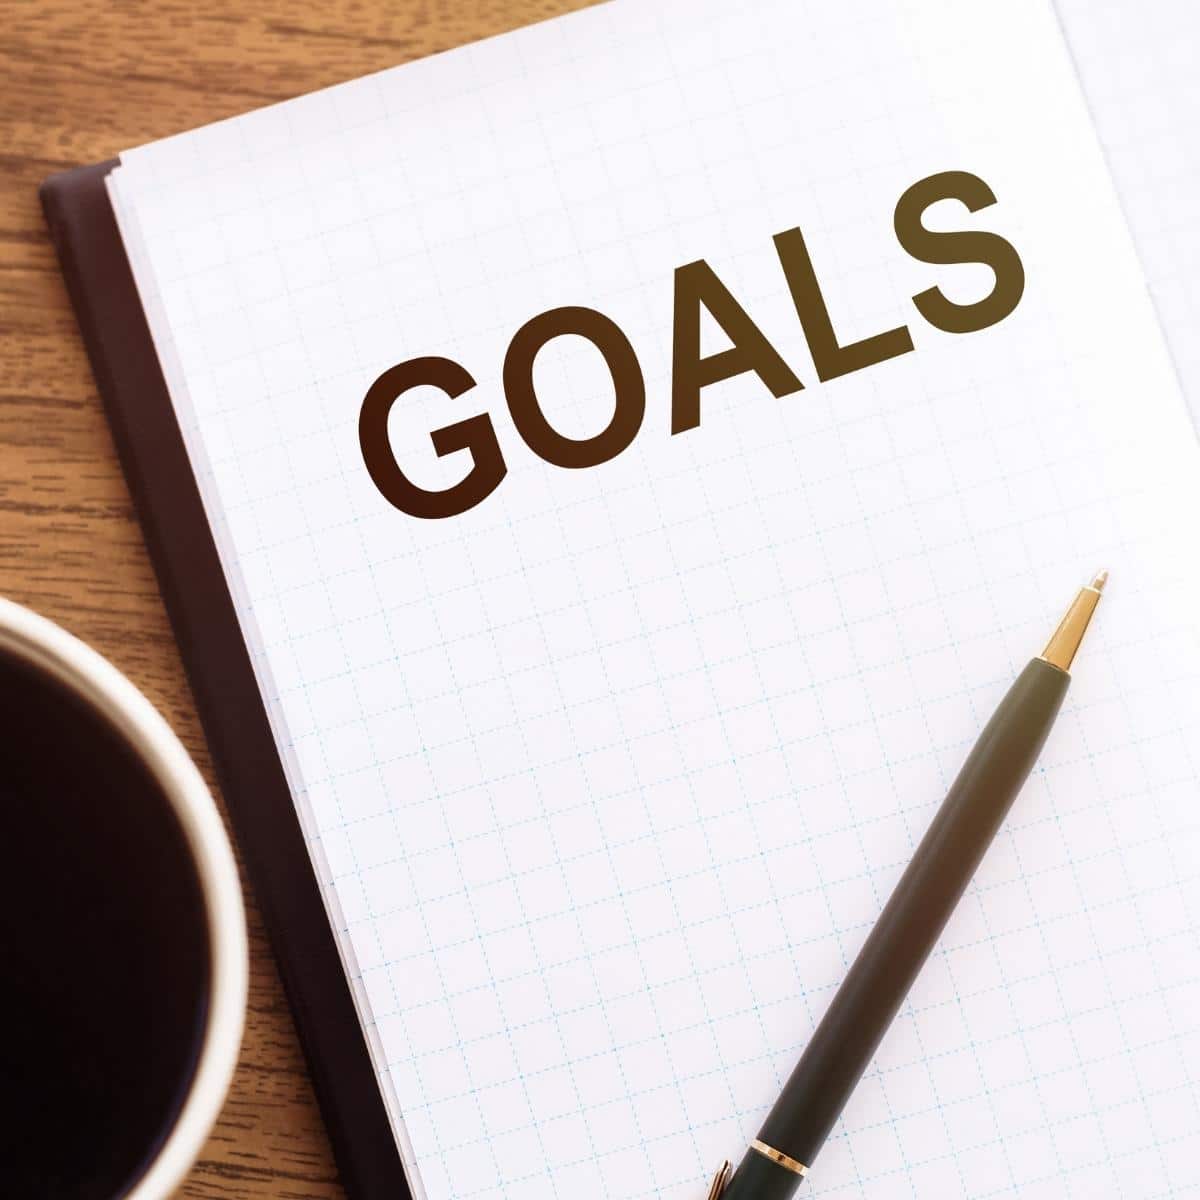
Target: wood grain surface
(80, 82)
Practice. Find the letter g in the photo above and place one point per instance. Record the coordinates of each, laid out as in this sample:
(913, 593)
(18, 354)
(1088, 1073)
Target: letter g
(475, 434)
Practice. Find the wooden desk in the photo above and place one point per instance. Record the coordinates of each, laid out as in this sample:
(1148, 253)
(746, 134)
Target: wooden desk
(82, 82)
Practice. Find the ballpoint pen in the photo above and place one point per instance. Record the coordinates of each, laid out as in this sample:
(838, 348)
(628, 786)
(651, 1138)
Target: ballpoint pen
(911, 922)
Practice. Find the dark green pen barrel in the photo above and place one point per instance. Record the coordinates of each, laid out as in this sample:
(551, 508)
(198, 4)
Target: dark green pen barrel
(907, 930)
(758, 1178)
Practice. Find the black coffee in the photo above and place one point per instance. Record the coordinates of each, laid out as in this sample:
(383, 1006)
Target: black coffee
(104, 953)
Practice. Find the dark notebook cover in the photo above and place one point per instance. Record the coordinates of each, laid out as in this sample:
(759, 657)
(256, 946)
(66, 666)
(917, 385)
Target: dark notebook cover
(231, 708)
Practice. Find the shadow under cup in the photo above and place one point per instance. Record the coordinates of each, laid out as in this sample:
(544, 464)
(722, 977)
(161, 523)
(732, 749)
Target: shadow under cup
(104, 945)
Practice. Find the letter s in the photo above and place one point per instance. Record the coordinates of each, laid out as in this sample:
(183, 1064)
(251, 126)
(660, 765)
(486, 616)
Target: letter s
(475, 434)
(959, 246)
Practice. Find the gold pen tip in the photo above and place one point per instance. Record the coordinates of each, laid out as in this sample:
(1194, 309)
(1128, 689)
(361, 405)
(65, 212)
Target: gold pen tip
(1060, 650)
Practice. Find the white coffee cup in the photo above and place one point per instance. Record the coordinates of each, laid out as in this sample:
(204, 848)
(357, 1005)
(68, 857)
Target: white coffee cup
(50, 651)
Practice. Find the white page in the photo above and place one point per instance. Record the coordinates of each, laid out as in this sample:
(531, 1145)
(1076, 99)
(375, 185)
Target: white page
(1137, 63)
(608, 777)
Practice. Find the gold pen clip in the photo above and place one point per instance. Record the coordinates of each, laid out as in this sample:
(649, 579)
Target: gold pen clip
(719, 1181)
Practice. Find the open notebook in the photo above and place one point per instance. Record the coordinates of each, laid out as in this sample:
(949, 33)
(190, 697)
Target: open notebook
(609, 730)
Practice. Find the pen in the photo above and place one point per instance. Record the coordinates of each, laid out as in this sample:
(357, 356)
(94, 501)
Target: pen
(911, 922)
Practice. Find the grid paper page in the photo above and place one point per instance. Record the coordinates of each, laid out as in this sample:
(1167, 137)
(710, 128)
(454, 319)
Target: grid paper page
(1137, 63)
(607, 778)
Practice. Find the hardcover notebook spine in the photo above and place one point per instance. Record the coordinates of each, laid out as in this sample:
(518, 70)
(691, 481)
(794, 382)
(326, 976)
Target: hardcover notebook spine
(245, 757)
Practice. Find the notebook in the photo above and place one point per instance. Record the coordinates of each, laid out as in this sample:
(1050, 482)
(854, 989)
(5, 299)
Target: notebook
(1135, 64)
(602, 478)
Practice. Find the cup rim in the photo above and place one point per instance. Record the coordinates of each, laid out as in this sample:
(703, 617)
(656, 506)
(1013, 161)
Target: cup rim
(49, 648)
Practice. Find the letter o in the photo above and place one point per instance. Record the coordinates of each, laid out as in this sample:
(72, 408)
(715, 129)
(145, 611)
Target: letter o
(629, 385)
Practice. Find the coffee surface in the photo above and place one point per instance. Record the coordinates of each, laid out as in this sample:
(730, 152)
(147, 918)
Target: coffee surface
(104, 953)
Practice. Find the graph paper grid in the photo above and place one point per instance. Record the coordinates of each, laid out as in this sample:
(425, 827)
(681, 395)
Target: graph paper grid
(606, 779)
